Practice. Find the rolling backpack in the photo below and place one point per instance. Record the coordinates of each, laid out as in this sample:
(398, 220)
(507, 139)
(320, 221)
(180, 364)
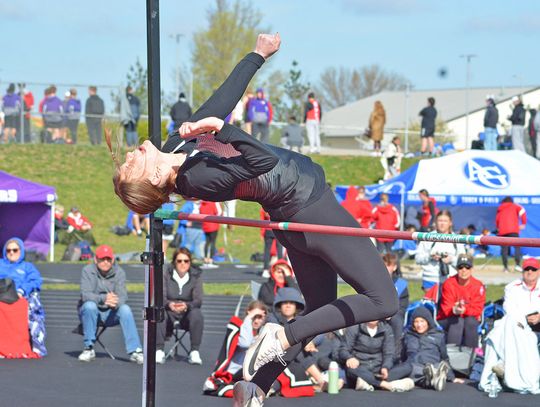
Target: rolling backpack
(86, 251)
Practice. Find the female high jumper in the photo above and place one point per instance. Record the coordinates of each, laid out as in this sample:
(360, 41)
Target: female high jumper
(290, 187)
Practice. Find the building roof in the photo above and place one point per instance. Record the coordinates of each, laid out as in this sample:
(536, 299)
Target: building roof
(349, 120)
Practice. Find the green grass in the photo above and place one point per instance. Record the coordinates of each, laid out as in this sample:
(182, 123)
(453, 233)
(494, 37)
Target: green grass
(82, 175)
(493, 292)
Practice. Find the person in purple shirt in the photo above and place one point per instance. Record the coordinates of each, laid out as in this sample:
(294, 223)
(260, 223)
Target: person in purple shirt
(12, 111)
(72, 111)
(53, 109)
(260, 116)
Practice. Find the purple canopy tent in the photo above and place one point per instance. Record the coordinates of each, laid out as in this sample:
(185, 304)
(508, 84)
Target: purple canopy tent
(26, 211)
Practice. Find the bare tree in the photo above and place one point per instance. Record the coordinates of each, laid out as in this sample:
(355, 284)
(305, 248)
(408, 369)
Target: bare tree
(339, 86)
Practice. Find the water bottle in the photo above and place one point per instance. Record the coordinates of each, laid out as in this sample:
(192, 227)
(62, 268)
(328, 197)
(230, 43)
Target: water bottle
(493, 389)
(333, 378)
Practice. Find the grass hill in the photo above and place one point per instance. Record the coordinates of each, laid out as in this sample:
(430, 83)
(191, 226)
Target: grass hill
(82, 175)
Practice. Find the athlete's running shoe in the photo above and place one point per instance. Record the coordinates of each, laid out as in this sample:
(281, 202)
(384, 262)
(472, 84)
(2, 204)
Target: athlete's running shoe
(264, 350)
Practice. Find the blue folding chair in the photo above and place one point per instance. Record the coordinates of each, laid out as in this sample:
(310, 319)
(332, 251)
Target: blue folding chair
(492, 312)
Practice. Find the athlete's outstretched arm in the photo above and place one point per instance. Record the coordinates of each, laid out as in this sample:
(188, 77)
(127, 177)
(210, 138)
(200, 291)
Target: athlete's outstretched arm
(224, 100)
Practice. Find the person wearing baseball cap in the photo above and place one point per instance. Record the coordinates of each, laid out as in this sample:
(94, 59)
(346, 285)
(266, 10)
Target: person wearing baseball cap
(522, 296)
(103, 298)
(462, 304)
(511, 350)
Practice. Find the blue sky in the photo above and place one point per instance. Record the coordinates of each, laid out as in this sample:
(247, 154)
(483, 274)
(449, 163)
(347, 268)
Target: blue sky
(95, 42)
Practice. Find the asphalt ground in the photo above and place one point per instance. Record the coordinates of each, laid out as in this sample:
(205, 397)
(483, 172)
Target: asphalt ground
(225, 273)
(61, 380)
(243, 273)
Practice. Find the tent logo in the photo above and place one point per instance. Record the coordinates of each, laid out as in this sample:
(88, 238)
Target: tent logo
(486, 173)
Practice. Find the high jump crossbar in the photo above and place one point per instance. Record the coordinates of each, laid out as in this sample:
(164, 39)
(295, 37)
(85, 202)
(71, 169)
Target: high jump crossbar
(351, 231)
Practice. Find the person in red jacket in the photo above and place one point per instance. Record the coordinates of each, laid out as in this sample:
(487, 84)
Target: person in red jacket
(350, 203)
(210, 231)
(386, 217)
(365, 208)
(508, 224)
(271, 245)
(429, 211)
(462, 304)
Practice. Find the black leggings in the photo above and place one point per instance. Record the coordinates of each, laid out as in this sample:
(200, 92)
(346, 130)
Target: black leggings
(395, 373)
(210, 244)
(505, 250)
(317, 259)
(192, 321)
(461, 331)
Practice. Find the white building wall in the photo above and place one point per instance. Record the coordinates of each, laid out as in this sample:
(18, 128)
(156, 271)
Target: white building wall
(476, 120)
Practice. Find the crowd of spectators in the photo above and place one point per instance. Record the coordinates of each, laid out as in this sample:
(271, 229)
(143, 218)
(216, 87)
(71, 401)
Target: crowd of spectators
(409, 350)
(406, 351)
(60, 118)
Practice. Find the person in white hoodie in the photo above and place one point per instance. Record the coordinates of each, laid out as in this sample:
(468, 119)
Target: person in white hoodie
(391, 159)
(438, 259)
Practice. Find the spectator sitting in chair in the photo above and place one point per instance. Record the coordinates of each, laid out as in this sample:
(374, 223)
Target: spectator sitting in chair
(461, 305)
(522, 296)
(425, 350)
(182, 295)
(137, 223)
(80, 226)
(291, 136)
(24, 274)
(512, 354)
(28, 284)
(281, 275)
(368, 354)
(61, 225)
(103, 298)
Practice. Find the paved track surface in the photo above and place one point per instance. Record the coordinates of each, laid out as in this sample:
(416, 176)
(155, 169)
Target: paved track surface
(226, 273)
(61, 380)
(241, 273)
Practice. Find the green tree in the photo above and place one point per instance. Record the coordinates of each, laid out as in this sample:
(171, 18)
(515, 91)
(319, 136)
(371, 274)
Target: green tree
(137, 78)
(274, 90)
(295, 89)
(231, 33)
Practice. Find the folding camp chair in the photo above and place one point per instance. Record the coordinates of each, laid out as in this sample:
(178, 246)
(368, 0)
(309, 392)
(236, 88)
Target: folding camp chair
(178, 334)
(492, 312)
(101, 328)
(255, 288)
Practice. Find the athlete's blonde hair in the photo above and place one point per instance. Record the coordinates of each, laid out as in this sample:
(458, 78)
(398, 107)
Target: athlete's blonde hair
(138, 195)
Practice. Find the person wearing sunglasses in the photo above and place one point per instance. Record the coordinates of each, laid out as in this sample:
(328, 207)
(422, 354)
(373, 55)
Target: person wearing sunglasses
(512, 354)
(27, 281)
(23, 273)
(462, 303)
(182, 299)
(103, 297)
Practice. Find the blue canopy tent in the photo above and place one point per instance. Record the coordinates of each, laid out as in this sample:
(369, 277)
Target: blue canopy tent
(471, 185)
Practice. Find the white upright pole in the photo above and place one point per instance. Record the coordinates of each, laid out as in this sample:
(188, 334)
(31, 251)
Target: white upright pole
(468, 58)
(407, 95)
(51, 243)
